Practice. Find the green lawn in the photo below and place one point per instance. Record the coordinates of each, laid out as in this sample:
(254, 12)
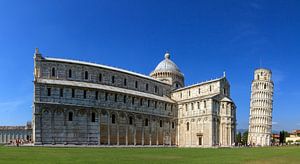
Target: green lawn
(148, 155)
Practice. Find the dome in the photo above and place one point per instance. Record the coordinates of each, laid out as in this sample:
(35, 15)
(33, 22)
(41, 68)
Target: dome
(167, 65)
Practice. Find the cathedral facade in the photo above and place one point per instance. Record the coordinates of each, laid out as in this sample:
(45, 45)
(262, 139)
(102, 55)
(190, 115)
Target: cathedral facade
(81, 103)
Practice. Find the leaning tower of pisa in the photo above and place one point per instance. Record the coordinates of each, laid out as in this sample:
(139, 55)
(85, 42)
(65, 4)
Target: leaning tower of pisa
(261, 107)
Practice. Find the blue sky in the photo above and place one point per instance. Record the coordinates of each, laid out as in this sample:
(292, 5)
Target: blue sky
(204, 38)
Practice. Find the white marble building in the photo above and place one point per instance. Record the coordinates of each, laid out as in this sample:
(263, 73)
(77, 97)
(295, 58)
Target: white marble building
(78, 102)
(261, 107)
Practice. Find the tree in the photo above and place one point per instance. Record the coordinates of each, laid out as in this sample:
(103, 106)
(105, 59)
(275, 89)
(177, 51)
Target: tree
(239, 137)
(245, 138)
(282, 135)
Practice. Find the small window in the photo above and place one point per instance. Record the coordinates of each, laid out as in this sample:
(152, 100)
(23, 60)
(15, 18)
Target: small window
(265, 86)
(84, 94)
(186, 107)
(136, 84)
(113, 119)
(106, 96)
(86, 75)
(116, 97)
(132, 100)
(199, 91)
(48, 91)
(70, 116)
(177, 85)
(173, 125)
(124, 99)
(96, 95)
(222, 105)
(210, 88)
(171, 108)
(93, 117)
(224, 91)
(166, 106)
(181, 95)
(61, 92)
(146, 122)
(141, 101)
(189, 93)
(100, 77)
(188, 126)
(155, 104)
(130, 121)
(70, 73)
(113, 79)
(73, 93)
(125, 82)
(155, 89)
(192, 106)
(204, 104)
(160, 123)
(147, 87)
(53, 72)
(148, 103)
(198, 105)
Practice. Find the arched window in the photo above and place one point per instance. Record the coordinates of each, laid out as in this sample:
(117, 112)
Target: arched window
(113, 119)
(130, 121)
(173, 125)
(53, 72)
(124, 99)
(70, 73)
(155, 104)
(155, 89)
(147, 87)
(199, 91)
(148, 103)
(100, 77)
(177, 85)
(86, 75)
(106, 96)
(61, 92)
(141, 101)
(96, 95)
(93, 117)
(265, 86)
(189, 93)
(187, 126)
(192, 106)
(136, 84)
(160, 123)
(113, 79)
(210, 88)
(84, 94)
(132, 100)
(73, 93)
(116, 97)
(198, 105)
(70, 118)
(257, 77)
(48, 91)
(166, 106)
(125, 82)
(204, 104)
(146, 122)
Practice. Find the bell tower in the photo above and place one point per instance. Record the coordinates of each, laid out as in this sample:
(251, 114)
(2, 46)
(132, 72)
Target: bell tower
(261, 107)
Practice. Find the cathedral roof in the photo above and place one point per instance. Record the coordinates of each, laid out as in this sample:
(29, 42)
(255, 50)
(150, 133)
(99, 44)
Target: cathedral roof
(167, 65)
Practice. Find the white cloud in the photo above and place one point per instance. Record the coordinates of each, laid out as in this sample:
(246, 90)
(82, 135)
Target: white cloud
(274, 123)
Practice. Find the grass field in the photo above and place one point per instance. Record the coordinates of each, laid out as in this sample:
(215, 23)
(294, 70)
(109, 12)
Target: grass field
(148, 155)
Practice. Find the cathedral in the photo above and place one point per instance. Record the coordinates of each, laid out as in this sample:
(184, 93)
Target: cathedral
(82, 103)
